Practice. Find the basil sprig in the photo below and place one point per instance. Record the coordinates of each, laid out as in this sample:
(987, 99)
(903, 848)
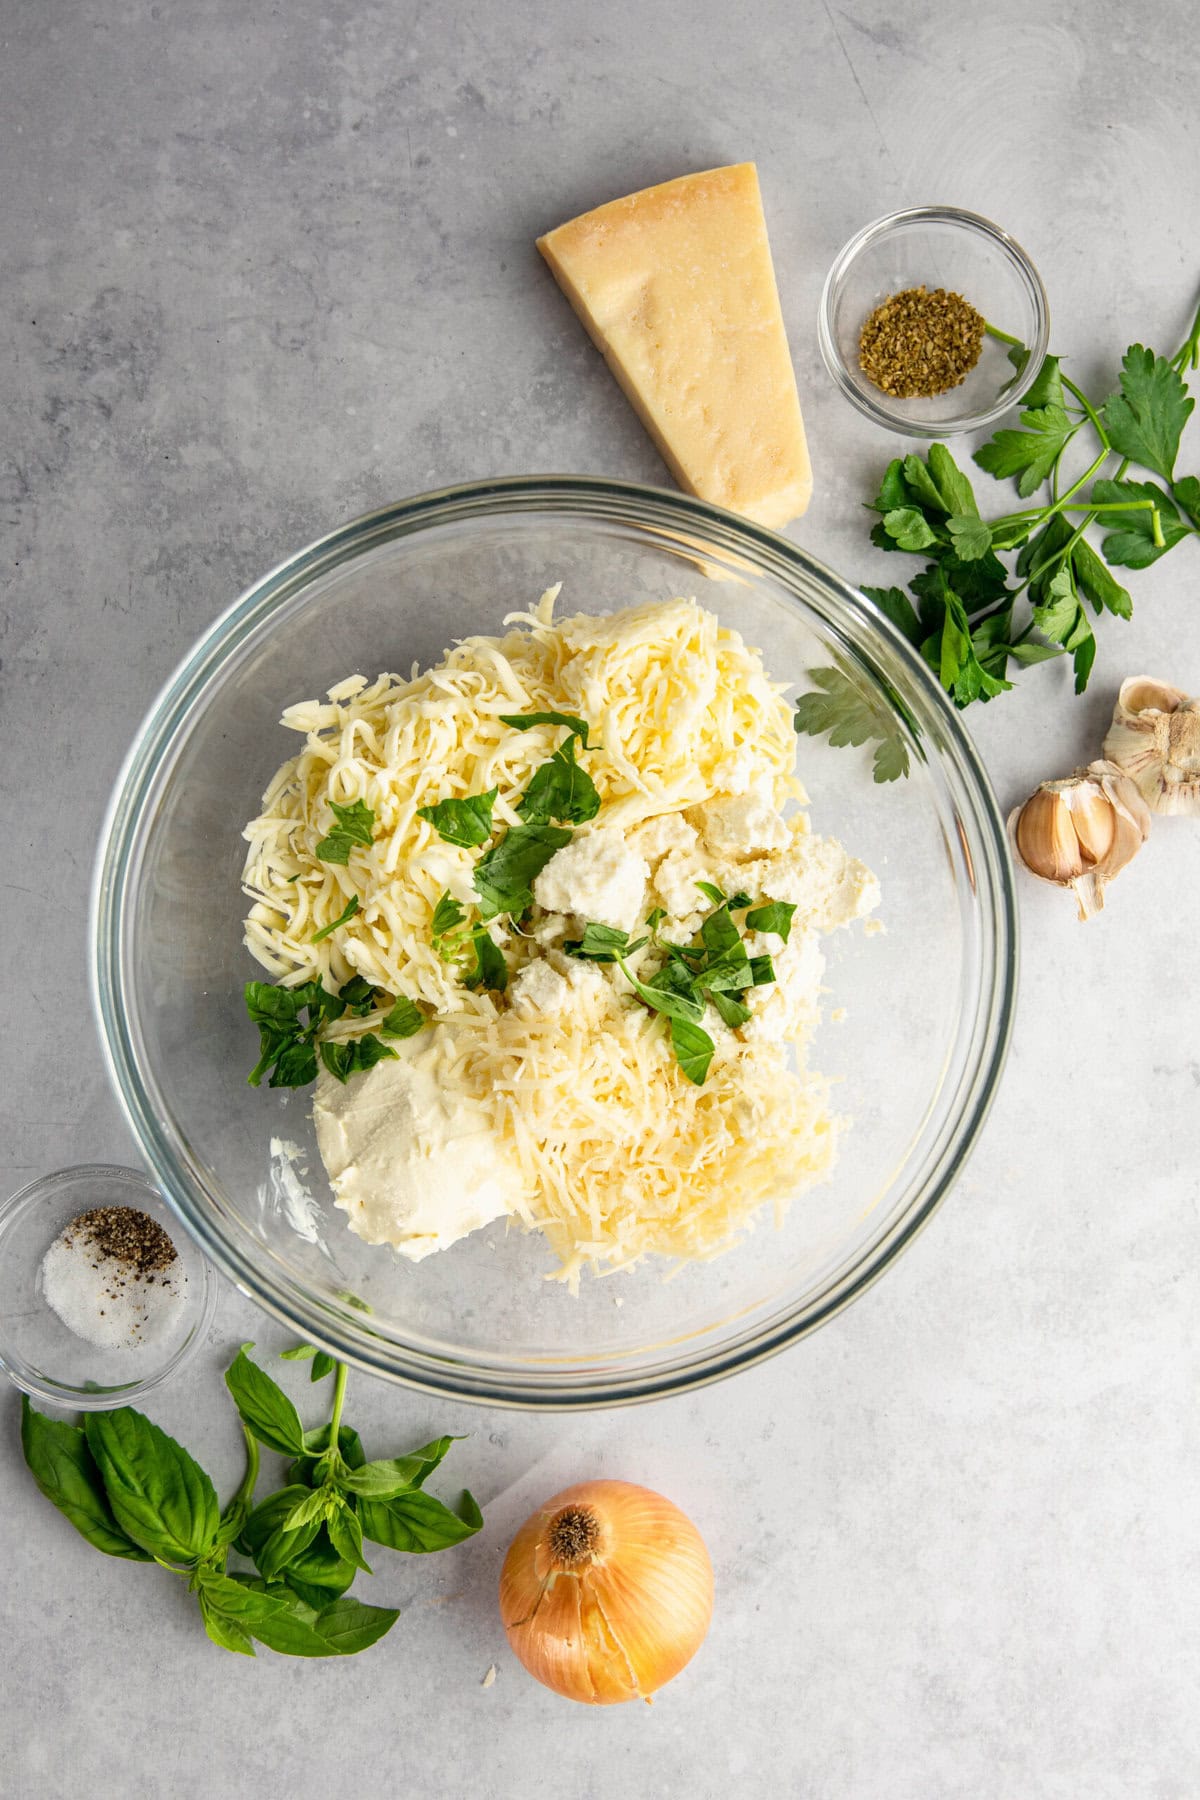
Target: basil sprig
(133, 1492)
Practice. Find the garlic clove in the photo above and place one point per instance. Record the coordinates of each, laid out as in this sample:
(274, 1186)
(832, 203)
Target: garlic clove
(1155, 738)
(1081, 832)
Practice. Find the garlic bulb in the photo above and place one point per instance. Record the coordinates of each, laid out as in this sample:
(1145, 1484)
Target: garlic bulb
(1081, 832)
(1155, 737)
(606, 1592)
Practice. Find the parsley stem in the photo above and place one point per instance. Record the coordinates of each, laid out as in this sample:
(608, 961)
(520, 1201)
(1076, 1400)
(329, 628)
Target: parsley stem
(1089, 409)
(1188, 354)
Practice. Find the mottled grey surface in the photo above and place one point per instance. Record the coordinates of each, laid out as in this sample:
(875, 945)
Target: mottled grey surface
(264, 266)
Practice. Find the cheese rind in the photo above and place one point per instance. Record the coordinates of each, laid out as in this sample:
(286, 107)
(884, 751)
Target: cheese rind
(676, 287)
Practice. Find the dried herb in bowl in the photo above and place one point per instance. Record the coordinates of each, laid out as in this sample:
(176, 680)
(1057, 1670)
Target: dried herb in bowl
(917, 344)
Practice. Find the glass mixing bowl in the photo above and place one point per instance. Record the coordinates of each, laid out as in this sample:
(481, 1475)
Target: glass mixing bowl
(928, 1002)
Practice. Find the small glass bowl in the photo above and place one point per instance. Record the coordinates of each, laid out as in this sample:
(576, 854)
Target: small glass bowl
(37, 1351)
(937, 247)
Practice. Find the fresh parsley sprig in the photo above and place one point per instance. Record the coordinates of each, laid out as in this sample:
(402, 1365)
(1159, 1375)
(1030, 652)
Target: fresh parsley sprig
(135, 1493)
(974, 617)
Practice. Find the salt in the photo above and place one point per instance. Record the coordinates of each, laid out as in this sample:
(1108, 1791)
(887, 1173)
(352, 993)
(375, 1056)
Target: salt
(114, 1278)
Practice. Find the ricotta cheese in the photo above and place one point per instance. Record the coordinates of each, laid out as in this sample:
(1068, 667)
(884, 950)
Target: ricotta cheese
(597, 877)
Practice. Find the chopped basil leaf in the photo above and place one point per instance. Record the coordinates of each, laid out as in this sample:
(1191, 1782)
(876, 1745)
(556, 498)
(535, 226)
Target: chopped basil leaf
(359, 996)
(328, 930)
(527, 721)
(447, 916)
(355, 1055)
(285, 1037)
(693, 1049)
(740, 901)
(491, 970)
(467, 822)
(603, 943)
(734, 1012)
(718, 933)
(504, 876)
(711, 893)
(404, 1020)
(295, 1066)
(355, 825)
(762, 970)
(560, 789)
(775, 916)
(672, 991)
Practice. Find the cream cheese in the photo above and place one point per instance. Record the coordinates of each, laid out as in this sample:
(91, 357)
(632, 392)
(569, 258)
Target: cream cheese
(413, 1161)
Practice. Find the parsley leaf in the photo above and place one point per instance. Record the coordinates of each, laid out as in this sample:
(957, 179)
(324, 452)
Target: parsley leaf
(328, 930)
(1132, 545)
(909, 528)
(354, 1055)
(970, 536)
(1102, 588)
(940, 483)
(1145, 420)
(560, 789)
(355, 825)
(1030, 454)
(1187, 492)
(895, 605)
(693, 1048)
(504, 877)
(775, 915)
(527, 721)
(466, 822)
(404, 1020)
(850, 715)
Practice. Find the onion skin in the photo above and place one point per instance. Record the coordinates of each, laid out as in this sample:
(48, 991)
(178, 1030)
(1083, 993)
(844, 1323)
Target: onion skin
(632, 1611)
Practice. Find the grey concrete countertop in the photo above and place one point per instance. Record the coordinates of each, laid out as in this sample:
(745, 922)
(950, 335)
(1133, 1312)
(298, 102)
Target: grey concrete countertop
(266, 266)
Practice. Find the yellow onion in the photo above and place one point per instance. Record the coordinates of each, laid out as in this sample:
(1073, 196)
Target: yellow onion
(606, 1592)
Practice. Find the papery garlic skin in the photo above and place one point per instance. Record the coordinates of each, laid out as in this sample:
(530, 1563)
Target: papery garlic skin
(1155, 738)
(606, 1592)
(1082, 831)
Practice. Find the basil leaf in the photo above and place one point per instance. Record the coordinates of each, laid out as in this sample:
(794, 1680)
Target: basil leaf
(711, 893)
(762, 970)
(295, 1066)
(328, 930)
(733, 1012)
(348, 1626)
(404, 1020)
(264, 1407)
(740, 901)
(466, 822)
(355, 825)
(355, 1055)
(671, 992)
(527, 721)
(504, 876)
(775, 916)
(693, 1049)
(267, 1517)
(222, 1630)
(560, 789)
(427, 1458)
(316, 1443)
(309, 1508)
(491, 970)
(160, 1496)
(718, 933)
(280, 1620)
(65, 1471)
(603, 943)
(418, 1523)
(323, 1365)
(447, 916)
(346, 1536)
(382, 1480)
(317, 1573)
(283, 1546)
(359, 996)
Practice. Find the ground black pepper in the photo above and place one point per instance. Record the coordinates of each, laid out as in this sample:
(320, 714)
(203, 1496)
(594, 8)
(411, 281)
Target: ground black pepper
(917, 344)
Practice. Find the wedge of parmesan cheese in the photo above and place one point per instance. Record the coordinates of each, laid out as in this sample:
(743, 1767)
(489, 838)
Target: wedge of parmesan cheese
(676, 287)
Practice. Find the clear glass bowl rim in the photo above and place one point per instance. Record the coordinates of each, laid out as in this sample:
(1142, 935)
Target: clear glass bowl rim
(60, 1394)
(858, 393)
(530, 1386)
